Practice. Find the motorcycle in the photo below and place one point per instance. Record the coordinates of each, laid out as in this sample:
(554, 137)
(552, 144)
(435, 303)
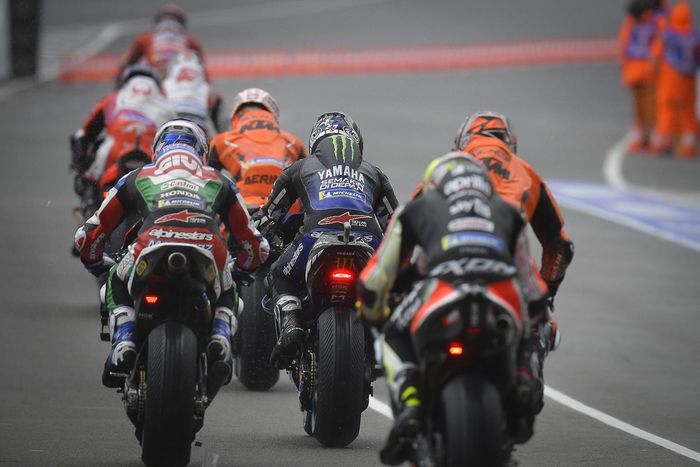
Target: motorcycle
(466, 349)
(92, 194)
(257, 334)
(334, 367)
(171, 383)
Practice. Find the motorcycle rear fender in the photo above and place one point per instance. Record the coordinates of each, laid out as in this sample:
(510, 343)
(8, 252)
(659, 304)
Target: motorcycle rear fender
(150, 257)
(465, 313)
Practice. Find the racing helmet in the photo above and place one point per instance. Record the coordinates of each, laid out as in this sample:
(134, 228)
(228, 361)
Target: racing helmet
(180, 132)
(255, 96)
(487, 123)
(170, 11)
(442, 172)
(137, 69)
(335, 123)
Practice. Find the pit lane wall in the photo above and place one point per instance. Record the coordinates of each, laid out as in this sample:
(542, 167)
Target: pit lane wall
(19, 37)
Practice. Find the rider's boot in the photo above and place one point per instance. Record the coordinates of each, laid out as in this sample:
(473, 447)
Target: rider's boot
(288, 309)
(223, 329)
(122, 356)
(219, 354)
(407, 417)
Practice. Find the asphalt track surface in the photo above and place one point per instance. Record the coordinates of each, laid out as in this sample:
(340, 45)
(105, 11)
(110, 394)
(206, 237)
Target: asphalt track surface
(628, 310)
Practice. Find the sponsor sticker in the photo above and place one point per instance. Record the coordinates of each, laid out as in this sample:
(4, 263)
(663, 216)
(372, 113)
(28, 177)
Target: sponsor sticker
(354, 219)
(463, 266)
(471, 239)
(141, 267)
(179, 183)
(183, 216)
(341, 194)
(470, 223)
(180, 235)
(192, 203)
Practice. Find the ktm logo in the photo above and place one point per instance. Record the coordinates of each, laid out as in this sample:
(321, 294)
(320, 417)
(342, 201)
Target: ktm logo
(183, 216)
(342, 219)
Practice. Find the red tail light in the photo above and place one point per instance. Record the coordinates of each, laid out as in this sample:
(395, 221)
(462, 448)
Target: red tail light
(151, 299)
(104, 194)
(342, 275)
(456, 349)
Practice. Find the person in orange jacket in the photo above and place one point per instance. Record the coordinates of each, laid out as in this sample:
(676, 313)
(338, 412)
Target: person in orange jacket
(168, 38)
(637, 39)
(679, 59)
(256, 149)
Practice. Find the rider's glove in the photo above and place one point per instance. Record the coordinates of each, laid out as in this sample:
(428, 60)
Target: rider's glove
(99, 267)
(239, 275)
(80, 160)
(262, 222)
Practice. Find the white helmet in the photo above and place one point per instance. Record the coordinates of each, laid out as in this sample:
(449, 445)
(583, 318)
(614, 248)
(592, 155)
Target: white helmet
(255, 96)
(180, 132)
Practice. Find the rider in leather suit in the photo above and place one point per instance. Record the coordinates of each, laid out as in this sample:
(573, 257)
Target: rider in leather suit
(178, 198)
(335, 185)
(458, 228)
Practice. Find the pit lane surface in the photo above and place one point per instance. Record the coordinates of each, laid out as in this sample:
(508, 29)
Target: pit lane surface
(628, 309)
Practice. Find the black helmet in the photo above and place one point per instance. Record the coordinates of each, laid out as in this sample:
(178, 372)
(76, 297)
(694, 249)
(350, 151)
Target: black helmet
(457, 172)
(136, 70)
(171, 11)
(334, 123)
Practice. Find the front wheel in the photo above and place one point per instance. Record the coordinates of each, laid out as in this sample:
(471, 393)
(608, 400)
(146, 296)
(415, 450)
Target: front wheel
(341, 375)
(471, 421)
(168, 427)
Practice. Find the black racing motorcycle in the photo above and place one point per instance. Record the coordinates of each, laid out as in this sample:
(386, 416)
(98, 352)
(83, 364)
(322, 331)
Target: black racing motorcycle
(335, 365)
(172, 383)
(466, 350)
(257, 333)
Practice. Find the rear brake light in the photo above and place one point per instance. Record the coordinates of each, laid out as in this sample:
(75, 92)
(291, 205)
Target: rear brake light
(151, 299)
(456, 349)
(342, 275)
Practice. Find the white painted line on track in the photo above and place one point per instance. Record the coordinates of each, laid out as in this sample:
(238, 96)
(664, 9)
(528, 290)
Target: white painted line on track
(619, 424)
(612, 167)
(380, 407)
(558, 396)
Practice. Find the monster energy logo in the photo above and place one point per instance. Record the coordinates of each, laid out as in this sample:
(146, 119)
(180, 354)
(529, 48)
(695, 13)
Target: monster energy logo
(346, 141)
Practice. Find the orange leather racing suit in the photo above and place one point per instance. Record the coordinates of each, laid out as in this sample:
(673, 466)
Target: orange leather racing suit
(520, 185)
(255, 152)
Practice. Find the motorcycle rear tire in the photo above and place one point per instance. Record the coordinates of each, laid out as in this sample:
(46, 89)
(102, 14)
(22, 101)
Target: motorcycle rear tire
(257, 337)
(340, 381)
(168, 427)
(472, 422)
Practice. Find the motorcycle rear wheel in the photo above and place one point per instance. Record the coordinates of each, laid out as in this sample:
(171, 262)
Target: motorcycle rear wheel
(471, 417)
(257, 337)
(340, 381)
(168, 427)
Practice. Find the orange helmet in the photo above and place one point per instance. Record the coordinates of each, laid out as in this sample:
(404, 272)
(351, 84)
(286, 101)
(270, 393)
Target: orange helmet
(255, 96)
(681, 16)
(486, 123)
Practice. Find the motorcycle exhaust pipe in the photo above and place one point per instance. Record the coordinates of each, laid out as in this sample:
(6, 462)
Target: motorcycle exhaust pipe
(505, 329)
(219, 373)
(177, 262)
